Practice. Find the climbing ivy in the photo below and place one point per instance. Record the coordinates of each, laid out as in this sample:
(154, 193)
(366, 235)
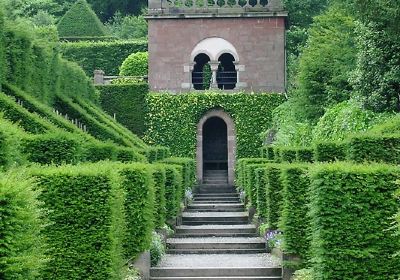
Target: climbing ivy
(172, 119)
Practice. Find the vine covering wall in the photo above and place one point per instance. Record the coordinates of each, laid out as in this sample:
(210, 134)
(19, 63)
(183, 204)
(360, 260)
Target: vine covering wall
(172, 119)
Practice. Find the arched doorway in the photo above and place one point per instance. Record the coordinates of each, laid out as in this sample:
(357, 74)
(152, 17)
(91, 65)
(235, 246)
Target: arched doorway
(227, 74)
(216, 144)
(201, 78)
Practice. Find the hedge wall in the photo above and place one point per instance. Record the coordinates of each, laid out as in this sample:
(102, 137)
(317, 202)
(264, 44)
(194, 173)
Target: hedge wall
(173, 191)
(294, 220)
(273, 194)
(2, 49)
(330, 151)
(127, 102)
(106, 56)
(261, 183)
(39, 70)
(160, 209)
(10, 144)
(172, 119)
(352, 230)
(22, 244)
(241, 168)
(189, 171)
(80, 21)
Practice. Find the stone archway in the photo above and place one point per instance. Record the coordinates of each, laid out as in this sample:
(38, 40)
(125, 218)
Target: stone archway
(231, 144)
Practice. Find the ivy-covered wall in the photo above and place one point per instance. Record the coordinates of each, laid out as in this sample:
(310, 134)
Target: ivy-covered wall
(172, 119)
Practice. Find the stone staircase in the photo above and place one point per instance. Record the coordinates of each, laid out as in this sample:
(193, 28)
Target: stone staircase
(216, 240)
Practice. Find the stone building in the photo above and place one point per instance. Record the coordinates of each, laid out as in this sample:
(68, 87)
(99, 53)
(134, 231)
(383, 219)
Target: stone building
(227, 44)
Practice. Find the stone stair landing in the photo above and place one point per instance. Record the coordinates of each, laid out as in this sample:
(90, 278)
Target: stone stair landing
(216, 240)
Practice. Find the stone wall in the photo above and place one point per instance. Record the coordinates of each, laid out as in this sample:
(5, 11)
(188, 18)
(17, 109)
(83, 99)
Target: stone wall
(259, 41)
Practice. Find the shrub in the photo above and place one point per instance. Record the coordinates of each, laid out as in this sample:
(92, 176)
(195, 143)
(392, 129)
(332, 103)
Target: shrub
(250, 182)
(273, 194)
(350, 213)
(305, 154)
(157, 249)
(173, 193)
(251, 114)
(10, 144)
(155, 153)
(87, 228)
(294, 220)
(390, 126)
(127, 103)
(80, 22)
(288, 154)
(106, 56)
(54, 148)
(372, 147)
(129, 155)
(241, 167)
(267, 152)
(277, 153)
(2, 49)
(139, 206)
(160, 210)
(304, 274)
(260, 183)
(330, 151)
(95, 151)
(137, 64)
(189, 171)
(23, 247)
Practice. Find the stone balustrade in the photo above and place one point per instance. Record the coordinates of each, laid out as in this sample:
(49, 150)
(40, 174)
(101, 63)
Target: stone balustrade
(157, 7)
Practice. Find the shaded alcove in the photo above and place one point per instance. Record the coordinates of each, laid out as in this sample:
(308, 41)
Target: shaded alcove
(198, 71)
(227, 74)
(215, 144)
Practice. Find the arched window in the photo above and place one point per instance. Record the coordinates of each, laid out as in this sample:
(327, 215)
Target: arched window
(201, 75)
(226, 75)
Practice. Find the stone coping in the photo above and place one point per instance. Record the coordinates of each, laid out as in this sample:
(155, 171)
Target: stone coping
(217, 13)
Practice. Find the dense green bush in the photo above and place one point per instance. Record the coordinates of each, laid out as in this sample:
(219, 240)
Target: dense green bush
(54, 148)
(106, 56)
(138, 184)
(250, 183)
(155, 153)
(241, 168)
(160, 210)
(86, 230)
(10, 144)
(330, 151)
(305, 154)
(288, 154)
(173, 191)
(30, 122)
(267, 152)
(22, 244)
(294, 220)
(80, 22)
(373, 147)
(95, 151)
(251, 114)
(126, 103)
(129, 155)
(390, 126)
(351, 226)
(261, 184)
(189, 171)
(136, 64)
(273, 194)
(2, 49)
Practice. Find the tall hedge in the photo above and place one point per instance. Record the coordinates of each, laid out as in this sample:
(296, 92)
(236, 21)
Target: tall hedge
(330, 151)
(10, 144)
(173, 191)
(189, 170)
(274, 194)
(106, 56)
(126, 103)
(294, 220)
(261, 184)
(351, 222)
(80, 21)
(251, 114)
(22, 244)
(86, 228)
(160, 209)
(241, 168)
(2, 49)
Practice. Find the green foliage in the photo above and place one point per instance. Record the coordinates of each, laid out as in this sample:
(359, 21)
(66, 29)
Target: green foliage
(273, 194)
(241, 175)
(106, 56)
(126, 103)
(22, 244)
(157, 249)
(80, 21)
(288, 154)
(260, 183)
(343, 119)
(156, 153)
(305, 154)
(10, 144)
(267, 152)
(139, 206)
(350, 214)
(294, 221)
(377, 76)
(251, 114)
(326, 63)
(86, 230)
(95, 151)
(160, 210)
(189, 171)
(304, 274)
(136, 64)
(372, 147)
(389, 126)
(250, 183)
(129, 155)
(173, 191)
(2, 48)
(207, 76)
(54, 148)
(330, 151)
(127, 27)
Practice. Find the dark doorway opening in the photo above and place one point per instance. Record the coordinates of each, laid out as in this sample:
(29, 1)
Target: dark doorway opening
(215, 144)
(201, 75)
(226, 75)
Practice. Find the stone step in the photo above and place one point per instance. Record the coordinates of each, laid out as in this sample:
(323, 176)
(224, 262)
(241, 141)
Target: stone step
(190, 251)
(197, 202)
(248, 228)
(212, 207)
(220, 278)
(237, 272)
(216, 198)
(214, 191)
(216, 243)
(220, 194)
(215, 216)
(216, 176)
(214, 234)
(215, 181)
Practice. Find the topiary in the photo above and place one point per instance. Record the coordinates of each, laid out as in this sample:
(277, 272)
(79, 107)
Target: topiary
(81, 21)
(136, 64)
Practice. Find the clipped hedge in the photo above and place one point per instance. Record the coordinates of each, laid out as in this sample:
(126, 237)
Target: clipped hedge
(136, 64)
(10, 144)
(241, 168)
(294, 220)
(95, 151)
(2, 49)
(54, 148)
(189, 171)
(267, 152)
(352, 231)
(305, 154)
(80, 21)
(251, 114)
(22, 244)
(288, 154)
(274, 194)
(330, 151)
(106, 56)
(160, 209)
(129, 155)
(250, 183)
(86, 232)
(155, 153)
(127, 103)
(261, 183)
(372, 147)
(173, 191)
